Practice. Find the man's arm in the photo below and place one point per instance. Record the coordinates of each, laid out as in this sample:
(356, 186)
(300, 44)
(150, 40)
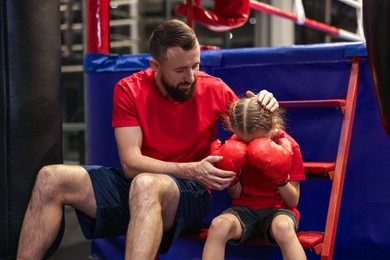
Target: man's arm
(129, 142)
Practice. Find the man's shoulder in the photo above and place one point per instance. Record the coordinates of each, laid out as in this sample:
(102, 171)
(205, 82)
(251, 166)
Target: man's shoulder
(140, 75)
(137, 80)
(205, 75)
(210, 80)
(214, 87)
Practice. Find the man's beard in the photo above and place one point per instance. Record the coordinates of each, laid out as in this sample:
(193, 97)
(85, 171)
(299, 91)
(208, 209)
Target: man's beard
(180, 95)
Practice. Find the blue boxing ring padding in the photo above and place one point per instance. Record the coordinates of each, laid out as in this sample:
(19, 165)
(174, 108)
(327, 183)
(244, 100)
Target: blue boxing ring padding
(318, 71)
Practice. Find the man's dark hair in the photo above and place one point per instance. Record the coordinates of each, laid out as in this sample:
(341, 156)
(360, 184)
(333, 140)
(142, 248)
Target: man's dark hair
(171, 33)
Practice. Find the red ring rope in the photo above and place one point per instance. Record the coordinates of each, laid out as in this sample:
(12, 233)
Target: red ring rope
(262, 7)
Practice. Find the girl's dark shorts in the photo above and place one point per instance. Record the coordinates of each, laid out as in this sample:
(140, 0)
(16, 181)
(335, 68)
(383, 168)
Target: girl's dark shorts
(257, 223)
(111, 188)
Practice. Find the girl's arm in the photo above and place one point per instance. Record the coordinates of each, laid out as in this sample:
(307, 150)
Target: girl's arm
(235, 190)
(290, 193)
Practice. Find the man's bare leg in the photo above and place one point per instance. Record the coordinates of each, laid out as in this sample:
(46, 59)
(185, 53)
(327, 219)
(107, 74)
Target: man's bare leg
(153, 202)
(55, 186)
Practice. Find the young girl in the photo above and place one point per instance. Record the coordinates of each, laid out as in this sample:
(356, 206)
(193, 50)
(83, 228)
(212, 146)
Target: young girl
(265, 194)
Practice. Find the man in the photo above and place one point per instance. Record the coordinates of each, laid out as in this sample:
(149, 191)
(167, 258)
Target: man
(165, 120)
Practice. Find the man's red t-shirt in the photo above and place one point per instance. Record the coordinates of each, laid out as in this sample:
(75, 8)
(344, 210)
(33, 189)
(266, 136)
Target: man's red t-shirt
(172, 131)
(258, 192)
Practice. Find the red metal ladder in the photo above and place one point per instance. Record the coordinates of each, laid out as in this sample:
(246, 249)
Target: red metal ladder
(323, 242)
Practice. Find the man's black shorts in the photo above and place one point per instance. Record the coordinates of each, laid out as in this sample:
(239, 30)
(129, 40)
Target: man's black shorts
(111, 188)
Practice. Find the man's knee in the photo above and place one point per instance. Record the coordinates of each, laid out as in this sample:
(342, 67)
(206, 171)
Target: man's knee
(145, 185)
(51, 181)
(152, 187)
(46, 179)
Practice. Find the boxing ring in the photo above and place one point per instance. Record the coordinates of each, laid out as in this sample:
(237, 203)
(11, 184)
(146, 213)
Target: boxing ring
(31, 132)
(292, 73)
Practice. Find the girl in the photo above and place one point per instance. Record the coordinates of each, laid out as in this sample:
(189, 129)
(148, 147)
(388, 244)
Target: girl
(266, 191)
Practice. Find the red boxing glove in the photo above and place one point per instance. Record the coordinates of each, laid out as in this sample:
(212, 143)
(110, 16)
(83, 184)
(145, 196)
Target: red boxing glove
(234, 156)
(272, 158)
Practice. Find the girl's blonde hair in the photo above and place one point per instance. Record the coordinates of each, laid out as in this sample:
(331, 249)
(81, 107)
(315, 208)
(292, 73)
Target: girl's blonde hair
(248, 116)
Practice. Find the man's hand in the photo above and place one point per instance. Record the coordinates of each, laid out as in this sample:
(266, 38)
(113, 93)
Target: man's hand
(266, 99)
(206, 173)
(234, 156)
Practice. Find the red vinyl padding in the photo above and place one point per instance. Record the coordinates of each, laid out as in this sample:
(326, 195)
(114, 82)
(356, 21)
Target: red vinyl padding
(227, 15)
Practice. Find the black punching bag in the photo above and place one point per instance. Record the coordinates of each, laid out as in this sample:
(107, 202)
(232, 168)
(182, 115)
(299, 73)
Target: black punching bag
(376, 20)
(30, 116)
